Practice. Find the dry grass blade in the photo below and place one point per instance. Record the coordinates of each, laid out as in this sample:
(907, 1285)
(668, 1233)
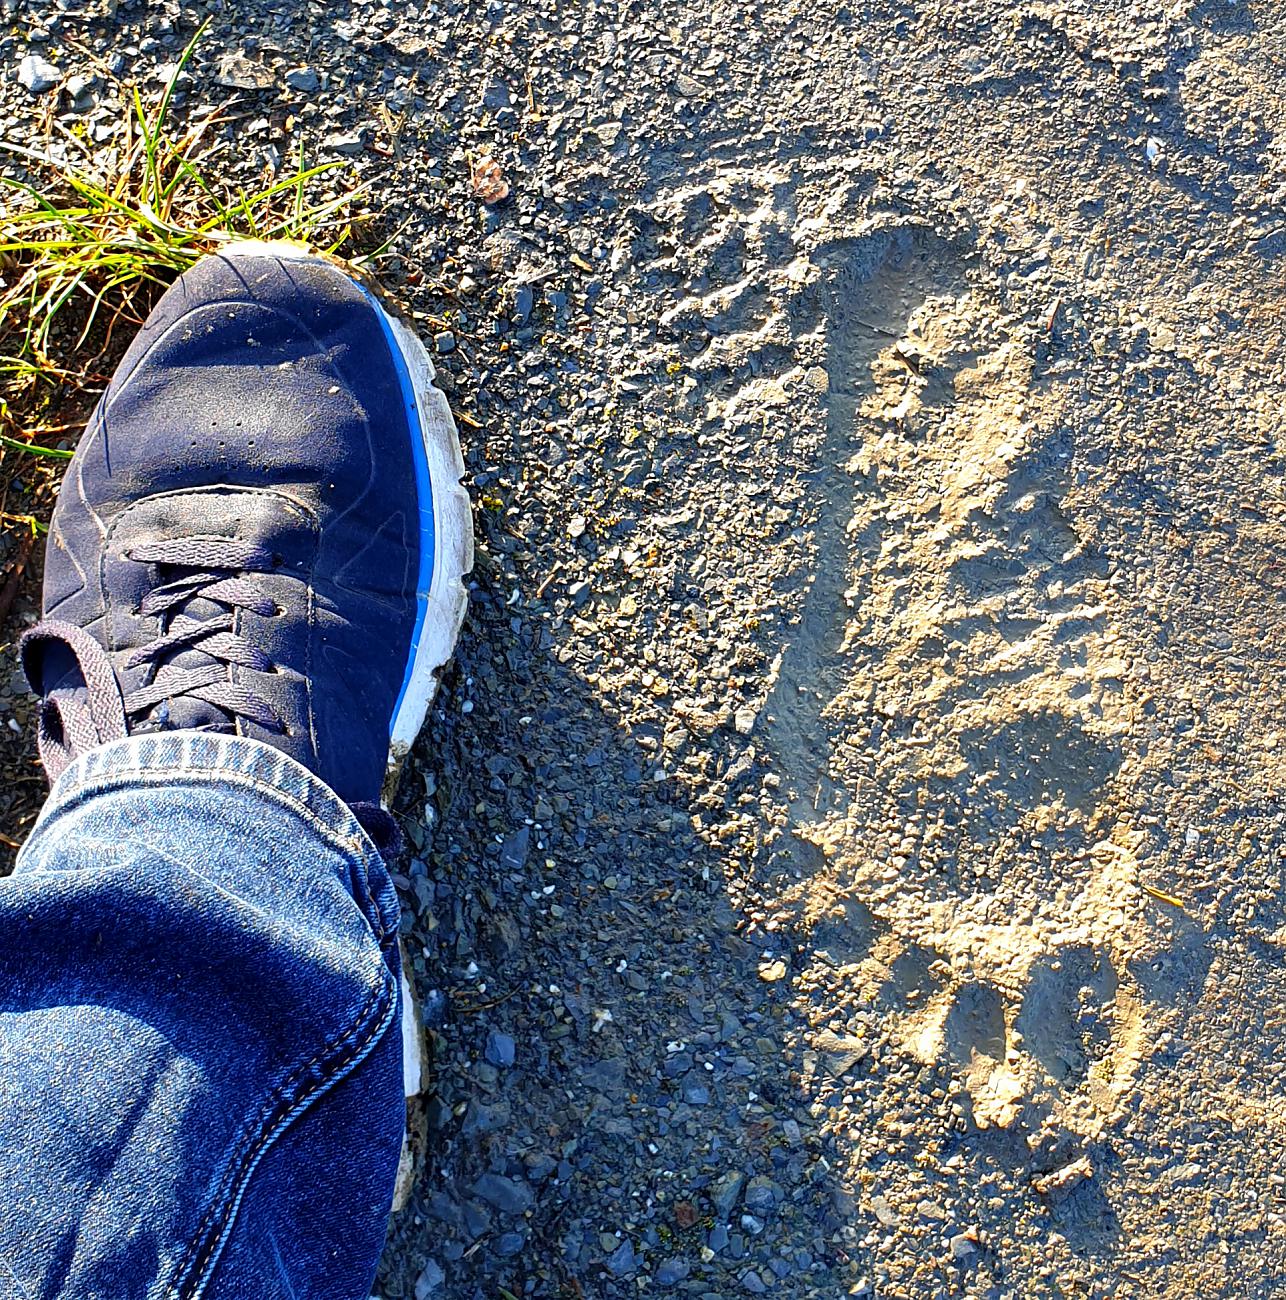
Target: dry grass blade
(89, 236)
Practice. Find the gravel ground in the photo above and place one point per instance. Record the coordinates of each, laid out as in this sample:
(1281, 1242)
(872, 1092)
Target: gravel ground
(847, 849)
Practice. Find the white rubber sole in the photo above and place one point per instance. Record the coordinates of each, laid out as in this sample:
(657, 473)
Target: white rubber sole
(452, 522)
(441, 596)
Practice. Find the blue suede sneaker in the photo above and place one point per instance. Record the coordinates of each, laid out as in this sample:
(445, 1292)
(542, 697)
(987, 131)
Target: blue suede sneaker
(262, 531)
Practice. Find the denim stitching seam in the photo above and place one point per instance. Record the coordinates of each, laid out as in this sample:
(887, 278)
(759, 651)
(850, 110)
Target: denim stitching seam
(353, 847)
(192, 1274)
(339, 839)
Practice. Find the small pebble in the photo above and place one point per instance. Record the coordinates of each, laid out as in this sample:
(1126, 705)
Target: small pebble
(621, 1260)
(726, 1192)
(430, 1281)
(37, 74)
(509, 1244)
(345, 142)
(500, 1049)
(670, 1272)
(962, 1246)
(304, 80)
(508, 1195)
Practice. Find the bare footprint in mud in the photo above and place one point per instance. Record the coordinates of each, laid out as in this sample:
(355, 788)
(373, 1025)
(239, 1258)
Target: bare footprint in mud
(955, 630)
(948, 713)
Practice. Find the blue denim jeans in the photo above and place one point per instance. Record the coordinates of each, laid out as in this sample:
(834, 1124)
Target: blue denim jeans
(200, 1061)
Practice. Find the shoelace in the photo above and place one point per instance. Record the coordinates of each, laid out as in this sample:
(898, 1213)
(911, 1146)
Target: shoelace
(75, 718)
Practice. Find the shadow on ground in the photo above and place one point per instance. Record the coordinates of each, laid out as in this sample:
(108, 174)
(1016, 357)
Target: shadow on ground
(598, 1022)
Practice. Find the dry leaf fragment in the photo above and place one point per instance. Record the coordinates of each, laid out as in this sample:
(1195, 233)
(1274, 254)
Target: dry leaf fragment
(489, 182)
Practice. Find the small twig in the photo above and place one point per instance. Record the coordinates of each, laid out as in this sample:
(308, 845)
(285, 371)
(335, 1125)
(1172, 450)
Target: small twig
(1162, 896)
(486, 1006)
(104, 68)
(878, 329)
(549, 577)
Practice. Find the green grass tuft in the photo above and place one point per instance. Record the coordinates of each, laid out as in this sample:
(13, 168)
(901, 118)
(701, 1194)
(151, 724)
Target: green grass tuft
(86, 246)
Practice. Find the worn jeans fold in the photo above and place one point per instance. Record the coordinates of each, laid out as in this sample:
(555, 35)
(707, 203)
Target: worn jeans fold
(200, 1063)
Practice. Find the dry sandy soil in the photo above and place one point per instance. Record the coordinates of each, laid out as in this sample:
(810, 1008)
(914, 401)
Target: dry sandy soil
(863, 774)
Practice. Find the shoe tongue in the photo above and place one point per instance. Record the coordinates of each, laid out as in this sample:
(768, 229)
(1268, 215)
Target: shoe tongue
(187, 711)
(245, 515)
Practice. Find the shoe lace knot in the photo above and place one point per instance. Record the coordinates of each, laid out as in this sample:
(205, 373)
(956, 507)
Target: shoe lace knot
(205, 583)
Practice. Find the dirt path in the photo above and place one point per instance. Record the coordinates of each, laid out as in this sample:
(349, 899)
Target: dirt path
(848, 852)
